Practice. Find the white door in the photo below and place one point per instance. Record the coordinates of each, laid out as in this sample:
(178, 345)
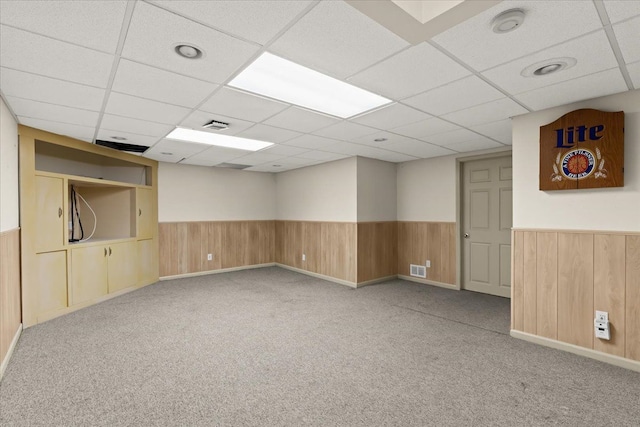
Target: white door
(487, 217)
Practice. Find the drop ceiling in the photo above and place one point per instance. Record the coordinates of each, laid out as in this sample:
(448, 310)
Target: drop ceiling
(98, 70)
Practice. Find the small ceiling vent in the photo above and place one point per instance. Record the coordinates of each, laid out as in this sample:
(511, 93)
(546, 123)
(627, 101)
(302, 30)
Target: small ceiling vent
(122, 146)
(232, 166)
(216, 125)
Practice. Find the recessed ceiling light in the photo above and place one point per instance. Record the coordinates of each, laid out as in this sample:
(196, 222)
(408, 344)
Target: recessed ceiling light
(188, 51)
(119, 138)
(507, 21)
(550, 66)
(277, 166)
(201, 137)
(380, 139)
(278, 78)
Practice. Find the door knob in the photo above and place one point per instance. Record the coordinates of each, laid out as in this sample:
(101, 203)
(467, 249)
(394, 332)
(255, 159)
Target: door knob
(139, 212)
(59, 212)
(466, 235)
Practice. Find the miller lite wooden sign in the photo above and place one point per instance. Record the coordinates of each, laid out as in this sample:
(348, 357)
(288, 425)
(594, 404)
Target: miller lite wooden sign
(582, 149)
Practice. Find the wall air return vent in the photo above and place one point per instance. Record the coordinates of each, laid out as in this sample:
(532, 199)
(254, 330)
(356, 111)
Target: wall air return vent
(216, 125)
(418, 271)
(122, 146)
(232, 166)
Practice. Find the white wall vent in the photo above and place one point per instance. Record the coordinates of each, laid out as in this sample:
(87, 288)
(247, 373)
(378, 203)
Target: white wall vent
(418, 270)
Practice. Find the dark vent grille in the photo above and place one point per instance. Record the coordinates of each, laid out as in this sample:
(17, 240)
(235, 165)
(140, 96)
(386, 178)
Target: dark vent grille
(232, 166)
(132, 148)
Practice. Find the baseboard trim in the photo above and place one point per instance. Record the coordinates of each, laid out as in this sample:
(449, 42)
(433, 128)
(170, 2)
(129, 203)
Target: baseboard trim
(376, 281)
(222, 270)
(428, 282)
(621, 362)
(12, 347)
(319, 276)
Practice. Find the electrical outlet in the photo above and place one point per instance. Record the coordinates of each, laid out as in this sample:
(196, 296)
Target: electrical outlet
(602, 316)
(428, 264)
(304, 257)
(209, 257)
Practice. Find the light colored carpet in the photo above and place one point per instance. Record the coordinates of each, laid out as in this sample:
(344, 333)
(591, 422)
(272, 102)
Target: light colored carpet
(272, 347)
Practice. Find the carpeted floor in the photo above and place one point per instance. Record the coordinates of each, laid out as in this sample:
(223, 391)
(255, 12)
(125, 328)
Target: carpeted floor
(271, 347)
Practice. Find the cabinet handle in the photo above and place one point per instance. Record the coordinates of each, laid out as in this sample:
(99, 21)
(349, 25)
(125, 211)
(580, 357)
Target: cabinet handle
(59, 212)
(139, 212)
(105, 251)
(109, 250)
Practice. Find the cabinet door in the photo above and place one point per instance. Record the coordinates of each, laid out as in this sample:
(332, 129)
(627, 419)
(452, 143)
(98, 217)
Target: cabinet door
(148, 269)
(146, 218)
(51, 281)
(88, 273)
(49, 225)
(123, 265)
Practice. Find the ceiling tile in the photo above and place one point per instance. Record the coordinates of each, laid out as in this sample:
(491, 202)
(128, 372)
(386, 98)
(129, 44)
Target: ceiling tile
(154, 32)
(52, 112)
(159, 85)
(284, 150)
(453, 137)
(474, 145)
(345, 131)
(268, 133)
(311, 142)
(29, 52)
(619, 10)
(257, 158)
(634, 72)
(628, 34)
(500, 130)
(546, 23)
(409, 72)
(486, 113)
(83, 133)
(45, 89)
(258, 21)
(94, 24)
(213, 156)
(425, 128)
(144, 109)
(379, 139)
(371, 152)
(134, 126)
(320, 155)
(199, 118)
(243, 105)
(280, 167)
(108, 135)
(174, 150)
(455, 96)
(587, 87)
(592, 52)
(391, 117)
(337, 39)
(300, 120)
(304, 162)
(418, 149)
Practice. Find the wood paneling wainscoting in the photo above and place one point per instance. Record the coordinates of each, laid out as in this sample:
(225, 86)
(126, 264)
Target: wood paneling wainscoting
(329, 247)
(10, 309)
(434, 241)
(377, 250)
(184, 245)
(560, 278)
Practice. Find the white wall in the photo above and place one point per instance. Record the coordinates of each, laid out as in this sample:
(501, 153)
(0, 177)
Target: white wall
(614, 209)
(377, 199)
(9, 190)
(325, 192)
(197, 193)
(427, 190)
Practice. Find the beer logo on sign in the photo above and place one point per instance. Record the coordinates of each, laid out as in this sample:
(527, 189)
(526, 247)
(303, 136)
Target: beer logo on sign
(575, 149)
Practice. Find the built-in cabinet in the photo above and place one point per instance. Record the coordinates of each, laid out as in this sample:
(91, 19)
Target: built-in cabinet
(115, 207)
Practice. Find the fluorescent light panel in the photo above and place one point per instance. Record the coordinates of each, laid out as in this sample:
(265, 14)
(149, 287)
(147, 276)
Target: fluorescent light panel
(278, 78)
(192, 135)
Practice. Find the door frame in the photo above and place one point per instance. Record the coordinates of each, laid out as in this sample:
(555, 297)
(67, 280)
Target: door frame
(459, 196)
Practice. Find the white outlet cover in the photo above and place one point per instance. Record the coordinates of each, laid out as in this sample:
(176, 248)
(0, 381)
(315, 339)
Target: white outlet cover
(602, 316)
